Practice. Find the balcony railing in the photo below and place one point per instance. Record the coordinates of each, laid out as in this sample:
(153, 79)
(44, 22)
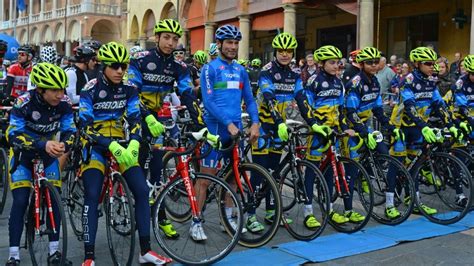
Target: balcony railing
(87, 7)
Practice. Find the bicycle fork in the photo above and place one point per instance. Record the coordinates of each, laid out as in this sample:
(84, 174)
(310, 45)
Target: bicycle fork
(39, 172)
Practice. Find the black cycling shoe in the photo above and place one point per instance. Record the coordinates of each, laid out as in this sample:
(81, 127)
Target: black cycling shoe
(55, 259)
(12, 262)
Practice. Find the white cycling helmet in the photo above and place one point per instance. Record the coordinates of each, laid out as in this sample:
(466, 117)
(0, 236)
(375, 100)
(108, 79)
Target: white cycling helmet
(48, 54)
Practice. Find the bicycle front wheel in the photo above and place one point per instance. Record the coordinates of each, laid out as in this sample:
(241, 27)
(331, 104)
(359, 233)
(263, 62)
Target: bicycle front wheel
(38, 238)
(3, 178)
(295, 178)
(264, 202)
(120, 221)
(75, 202)
(446, 186)
(218, 241)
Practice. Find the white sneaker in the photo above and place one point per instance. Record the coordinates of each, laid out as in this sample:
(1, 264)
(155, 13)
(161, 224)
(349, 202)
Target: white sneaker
(197, 232)
(234, 226)
(154, 258)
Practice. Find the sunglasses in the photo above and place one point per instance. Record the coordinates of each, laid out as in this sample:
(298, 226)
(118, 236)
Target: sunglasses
(116, 66)
(372, 62)
(178, 53)
(285, 51)
(428, 63)
(22, 54)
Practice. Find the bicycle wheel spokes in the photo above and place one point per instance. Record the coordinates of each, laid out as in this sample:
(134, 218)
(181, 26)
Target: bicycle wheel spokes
(75, 203)
(219, 241)
(295, 219)
(388, 167)
(263, 203)
(120, 219)
(38, 240)
(362, 196)
(444, 187)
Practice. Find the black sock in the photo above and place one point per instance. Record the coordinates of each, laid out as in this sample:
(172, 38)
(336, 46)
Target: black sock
(145, 244)
(161, 215)
(89, 252)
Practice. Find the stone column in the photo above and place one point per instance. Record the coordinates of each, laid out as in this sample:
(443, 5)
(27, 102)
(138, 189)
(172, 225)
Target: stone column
(471, 44)
(184, 39)
(11, 11)
(2, 2)
(366, 23)
(42, 9)
(143, 39)
(289, 23)
(244, 25)
(30, 12)
(209, 30)
(68, 48)
(55, 6)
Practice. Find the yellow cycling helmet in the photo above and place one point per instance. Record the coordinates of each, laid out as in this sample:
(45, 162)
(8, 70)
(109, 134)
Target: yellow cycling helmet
(113, 52)
(168, 25)
(367, 53)
(423, 54)
(200, 56)
(327, 52)
(285, 41)
(469, 63)
(48, 76)
(436, 68)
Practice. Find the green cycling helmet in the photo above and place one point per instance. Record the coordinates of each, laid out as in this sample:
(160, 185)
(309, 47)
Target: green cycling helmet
(256, 62)
(285, 41)
(200, 56)
(113, 52)
(169, 25)
(469, 63)
(242, 62)
(436, 68)
(420, 54)
(367, 53)
(327, 52)
(48, 76)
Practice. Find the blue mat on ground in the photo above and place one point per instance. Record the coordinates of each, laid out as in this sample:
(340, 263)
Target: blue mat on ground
(468, 220)
(262, 256)
(337, 245)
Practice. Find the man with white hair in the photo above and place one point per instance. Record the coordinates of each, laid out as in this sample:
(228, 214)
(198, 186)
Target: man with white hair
(393, 62)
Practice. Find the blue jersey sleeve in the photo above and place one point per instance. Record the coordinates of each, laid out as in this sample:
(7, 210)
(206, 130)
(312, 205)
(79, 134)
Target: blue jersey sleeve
(352, 104)
(133, 115)
(68, 127)
(207, 91)
(16, 130)
(134, 74)
(86, 119)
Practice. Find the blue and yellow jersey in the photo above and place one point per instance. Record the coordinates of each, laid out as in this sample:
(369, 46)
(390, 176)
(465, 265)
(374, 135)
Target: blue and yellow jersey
(34, 122)
(463, 101)
(363, 101)
(103, 108)
(325, 95)
(223, 87)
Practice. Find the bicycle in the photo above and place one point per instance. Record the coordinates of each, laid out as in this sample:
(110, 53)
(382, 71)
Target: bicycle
(239, 172)
(3, 164)
(45, 214)
(116, 199)
(380, 167)
(336, 168)
(291, 178)
(442, 178)
(179, 194)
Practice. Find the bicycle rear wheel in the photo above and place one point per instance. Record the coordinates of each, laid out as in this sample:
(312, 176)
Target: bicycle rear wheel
(38, 241)
(468, 161)
(3, 178)
(386, 165)
(264, 196)
(220, 241)
(320, 202)
(362, 196)
(120, 221)
(450, 178)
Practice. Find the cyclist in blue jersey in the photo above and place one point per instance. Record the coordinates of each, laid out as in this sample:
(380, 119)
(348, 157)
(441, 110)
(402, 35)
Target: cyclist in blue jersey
(464, 97)
(279, 85)
(421, 99)
(224, 84)
(105, 103)
(154, 73)
(364, 101)
(37, 116)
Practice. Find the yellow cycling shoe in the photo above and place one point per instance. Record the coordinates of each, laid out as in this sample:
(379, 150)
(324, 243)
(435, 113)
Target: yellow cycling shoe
(168, 229)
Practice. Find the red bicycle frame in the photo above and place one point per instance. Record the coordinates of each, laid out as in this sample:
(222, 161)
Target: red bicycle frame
(339, 173)
(38, 176)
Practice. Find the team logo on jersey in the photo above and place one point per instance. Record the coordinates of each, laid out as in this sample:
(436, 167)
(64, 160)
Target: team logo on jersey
(366, 88)
(222, 67)
(355, 81)
(409, 78)
(102, 94)
(459, 84)
(325, 84)
(36, 115)
(277, 76)
(469, 89)
(418, 86)
(151, 66)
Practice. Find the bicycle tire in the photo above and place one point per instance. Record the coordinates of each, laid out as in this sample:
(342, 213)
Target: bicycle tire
(126, 234)
(39, 255)
(468, 160)
(320, 201)
(269, 185)
(75, 203)
(365, 207)
(3, 178)
(404, 188)
(207, 251)
(449, 170)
